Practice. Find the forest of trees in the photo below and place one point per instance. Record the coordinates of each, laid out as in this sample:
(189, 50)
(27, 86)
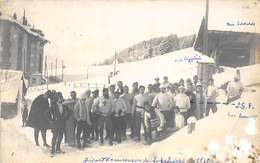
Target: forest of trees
(151, 48)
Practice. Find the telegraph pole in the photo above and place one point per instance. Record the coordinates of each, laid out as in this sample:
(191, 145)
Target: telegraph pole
(115, 64)
(56, 66)
(62, 67)
(205, 32)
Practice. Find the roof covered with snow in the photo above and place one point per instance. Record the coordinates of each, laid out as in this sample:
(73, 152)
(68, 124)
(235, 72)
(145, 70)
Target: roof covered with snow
(27, 29)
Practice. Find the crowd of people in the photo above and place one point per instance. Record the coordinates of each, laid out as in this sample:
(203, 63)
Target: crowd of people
(118, 114)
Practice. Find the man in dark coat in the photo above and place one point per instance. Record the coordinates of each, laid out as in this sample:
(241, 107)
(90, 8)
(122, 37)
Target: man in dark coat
(59, 115)
(37, 118)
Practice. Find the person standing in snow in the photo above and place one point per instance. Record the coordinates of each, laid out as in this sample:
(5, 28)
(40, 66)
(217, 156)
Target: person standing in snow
(166, 83)
(165, 104)
(89, 102)
(102, 107)
(211, 96)
(112, 89)
(200, 98)
(59, 115)
(189, 92)
(138, 112)
(37, 119)
(118, 112)
(127, 118)
(149, 95)
(120, 87)
(156, 85)
(81, 113)
(71, 121)
(25, 114)
(182, 101)
(234, 89)
(135, 89)
(94, 118)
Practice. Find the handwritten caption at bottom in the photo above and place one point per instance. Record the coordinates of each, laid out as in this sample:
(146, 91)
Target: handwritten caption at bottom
(110, 159)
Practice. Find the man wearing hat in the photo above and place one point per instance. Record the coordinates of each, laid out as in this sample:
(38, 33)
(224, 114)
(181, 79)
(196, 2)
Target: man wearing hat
(81, 113)
(182, 102)
(165, 104)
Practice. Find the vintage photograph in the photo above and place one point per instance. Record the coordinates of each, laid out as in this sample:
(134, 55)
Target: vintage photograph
(129, 81)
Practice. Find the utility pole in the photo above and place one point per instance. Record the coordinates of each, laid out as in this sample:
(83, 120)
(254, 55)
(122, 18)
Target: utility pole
(62, 67)
(115, 64)
(51, 69)
(45, 67)
(56, 66)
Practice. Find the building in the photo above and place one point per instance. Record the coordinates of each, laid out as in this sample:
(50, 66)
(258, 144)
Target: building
(12, 91)
(233, 38)
(21, 48)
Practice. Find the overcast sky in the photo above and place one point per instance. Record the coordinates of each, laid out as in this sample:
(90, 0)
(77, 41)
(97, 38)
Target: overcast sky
(86, 32)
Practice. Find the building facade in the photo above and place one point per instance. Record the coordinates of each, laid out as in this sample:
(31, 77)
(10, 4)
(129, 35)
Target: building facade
(21, 48)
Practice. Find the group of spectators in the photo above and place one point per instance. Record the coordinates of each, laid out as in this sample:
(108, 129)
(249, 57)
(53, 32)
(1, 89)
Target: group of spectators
(118, 114)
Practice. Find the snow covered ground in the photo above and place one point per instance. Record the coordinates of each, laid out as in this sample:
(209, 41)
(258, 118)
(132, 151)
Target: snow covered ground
(18, 145)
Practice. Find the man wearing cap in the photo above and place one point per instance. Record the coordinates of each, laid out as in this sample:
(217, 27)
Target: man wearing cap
(103, 107)
(81, 113)
(165, 104)
(118, 112)
(182, 101)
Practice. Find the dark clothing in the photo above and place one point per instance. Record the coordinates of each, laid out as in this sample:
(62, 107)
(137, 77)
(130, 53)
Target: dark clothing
(139, 121)
(211, 106)
(120, 90)
(36, 136)
(25, 114)
(128, 122)
(102, 122)
(117, 123)
(192, 96)
(169, 116)
(94, 126)
(156, 87)
(58, 120)
(37, 116)
(56, 140)
(82, 127)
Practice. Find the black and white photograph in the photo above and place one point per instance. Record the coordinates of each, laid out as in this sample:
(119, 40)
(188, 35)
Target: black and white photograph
(129, 81)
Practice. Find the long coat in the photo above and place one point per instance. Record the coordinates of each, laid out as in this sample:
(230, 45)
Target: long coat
(37, 117)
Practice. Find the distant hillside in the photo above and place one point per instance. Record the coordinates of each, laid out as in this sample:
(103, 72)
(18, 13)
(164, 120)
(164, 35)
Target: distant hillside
(153, 47)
